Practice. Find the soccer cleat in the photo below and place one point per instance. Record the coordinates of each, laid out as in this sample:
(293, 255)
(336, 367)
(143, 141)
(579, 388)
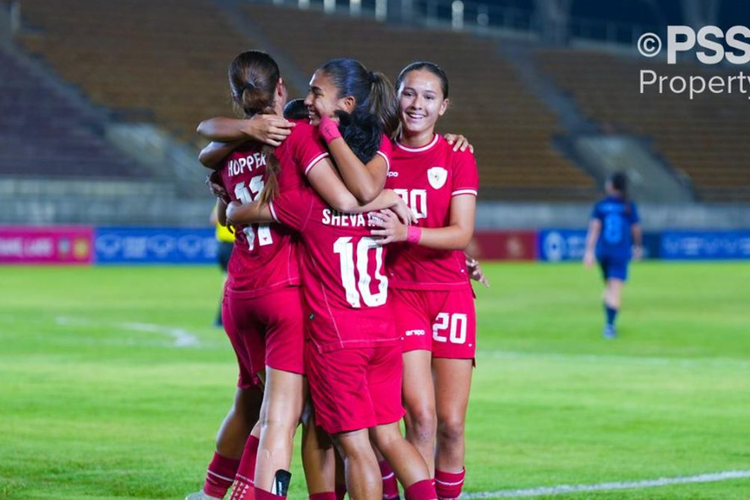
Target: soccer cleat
(610, 332)
(199, 495)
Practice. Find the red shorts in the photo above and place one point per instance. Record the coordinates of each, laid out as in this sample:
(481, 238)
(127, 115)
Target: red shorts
(356, 388)
(441, 321)
(265, 331)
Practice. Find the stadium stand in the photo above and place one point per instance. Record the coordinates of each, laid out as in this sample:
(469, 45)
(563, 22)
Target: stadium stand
(170, 68)
(159, 61)
(509, 127)
(704, 138)
(42, 134)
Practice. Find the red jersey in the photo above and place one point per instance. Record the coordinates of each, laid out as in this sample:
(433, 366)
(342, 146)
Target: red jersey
(265, 256)
(427, 179)
(344, 283)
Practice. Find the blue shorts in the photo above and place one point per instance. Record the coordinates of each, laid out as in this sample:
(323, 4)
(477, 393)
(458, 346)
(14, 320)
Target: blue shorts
(614, 267)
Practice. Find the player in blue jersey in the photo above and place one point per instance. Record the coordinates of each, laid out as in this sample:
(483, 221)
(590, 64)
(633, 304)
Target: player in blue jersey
(614, 238)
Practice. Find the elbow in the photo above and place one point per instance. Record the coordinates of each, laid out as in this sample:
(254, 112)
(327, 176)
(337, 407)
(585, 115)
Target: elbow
(204, 157)
(367, 196)
(203, 128)
(462, 244)
(464, 239)
(344, 204)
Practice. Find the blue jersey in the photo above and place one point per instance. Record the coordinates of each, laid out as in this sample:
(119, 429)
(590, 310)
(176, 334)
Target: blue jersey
(617, 217)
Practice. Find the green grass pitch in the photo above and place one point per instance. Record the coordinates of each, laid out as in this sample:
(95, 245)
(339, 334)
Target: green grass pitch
(97, 403)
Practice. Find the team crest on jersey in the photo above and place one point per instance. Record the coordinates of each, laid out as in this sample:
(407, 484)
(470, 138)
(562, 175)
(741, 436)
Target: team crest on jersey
(437, 177)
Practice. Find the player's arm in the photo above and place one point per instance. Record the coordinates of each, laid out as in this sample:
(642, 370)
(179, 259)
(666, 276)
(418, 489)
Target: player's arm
(637, 233)
(212, 155)
(595, 228)
(364, 181)
(268, 129)
(392, 204)
(455, 236)
(248, 213)
(219, 213)
(326, 181)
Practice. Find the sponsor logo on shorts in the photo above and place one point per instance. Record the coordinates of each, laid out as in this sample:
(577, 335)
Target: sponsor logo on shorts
(392, 174)
(415, 333)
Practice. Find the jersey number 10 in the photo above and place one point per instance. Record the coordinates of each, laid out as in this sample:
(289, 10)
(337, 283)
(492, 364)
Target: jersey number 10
(246, 195)
(359, 291)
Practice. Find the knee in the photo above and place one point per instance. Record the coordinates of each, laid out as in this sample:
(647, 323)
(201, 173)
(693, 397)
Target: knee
(278, 421)
(451, 429)
(385, 436)
(422, 423)
(352, 449)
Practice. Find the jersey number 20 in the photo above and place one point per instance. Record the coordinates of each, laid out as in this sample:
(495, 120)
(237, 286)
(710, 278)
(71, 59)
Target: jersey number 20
(246, 195)
(454, 323)
(358, 291)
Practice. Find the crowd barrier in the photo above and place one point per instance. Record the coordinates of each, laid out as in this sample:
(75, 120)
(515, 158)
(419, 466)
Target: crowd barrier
(146, 245)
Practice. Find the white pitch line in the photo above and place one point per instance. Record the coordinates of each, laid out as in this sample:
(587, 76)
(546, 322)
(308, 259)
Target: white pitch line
(182, 337)
(651, 483)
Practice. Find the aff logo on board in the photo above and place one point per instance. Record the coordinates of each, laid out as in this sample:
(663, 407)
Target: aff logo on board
(437, 177)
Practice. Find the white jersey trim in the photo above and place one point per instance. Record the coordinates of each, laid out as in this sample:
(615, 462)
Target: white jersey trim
(273, 212)
(464, 191)
(419, 150)
(387, 161)
(315, 161)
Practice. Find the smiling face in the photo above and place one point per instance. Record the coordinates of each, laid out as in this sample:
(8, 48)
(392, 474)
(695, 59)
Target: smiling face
(322, 98)
(420, 102)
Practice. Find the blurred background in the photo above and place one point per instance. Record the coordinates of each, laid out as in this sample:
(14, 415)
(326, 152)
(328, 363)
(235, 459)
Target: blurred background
(99, 103)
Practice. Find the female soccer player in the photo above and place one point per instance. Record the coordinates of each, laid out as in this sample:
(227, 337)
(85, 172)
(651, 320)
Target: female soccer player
(263, 273)
(342, 85)
(614, 237)
(428, 272)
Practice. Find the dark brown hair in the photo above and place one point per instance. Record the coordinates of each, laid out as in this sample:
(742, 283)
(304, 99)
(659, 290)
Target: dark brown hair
(372, 92)
(253, 78)
(426, 66)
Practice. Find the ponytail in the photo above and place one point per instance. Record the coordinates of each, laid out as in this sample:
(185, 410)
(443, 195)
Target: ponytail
(383, 103)
(253, 101)
(273, 167)
(375, 111)
(253, 78)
